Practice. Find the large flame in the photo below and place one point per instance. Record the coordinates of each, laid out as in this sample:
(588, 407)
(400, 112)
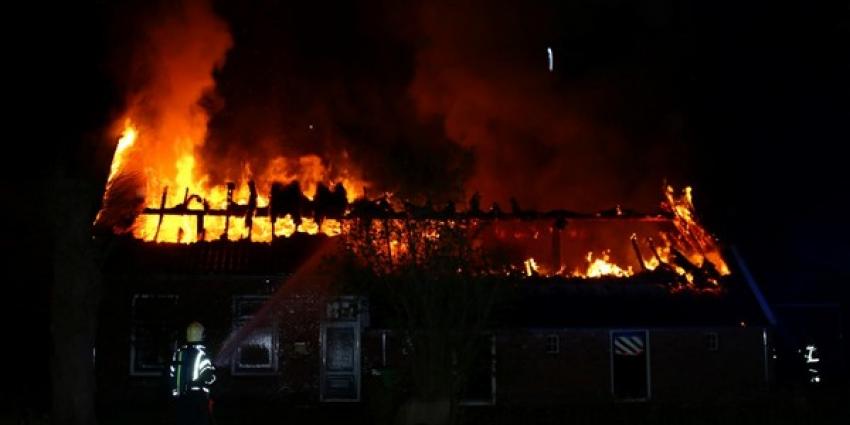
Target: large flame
(692, 238)
(681, 246)
(187, 186)
(164, 128)
(128, 138)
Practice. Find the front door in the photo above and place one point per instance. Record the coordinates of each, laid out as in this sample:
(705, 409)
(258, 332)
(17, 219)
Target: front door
(340, 373)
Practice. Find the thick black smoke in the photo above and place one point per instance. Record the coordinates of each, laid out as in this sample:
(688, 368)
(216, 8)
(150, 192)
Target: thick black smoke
(441, 99)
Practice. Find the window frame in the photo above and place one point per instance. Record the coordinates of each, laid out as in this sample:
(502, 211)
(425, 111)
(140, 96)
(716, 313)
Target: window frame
(237, 321)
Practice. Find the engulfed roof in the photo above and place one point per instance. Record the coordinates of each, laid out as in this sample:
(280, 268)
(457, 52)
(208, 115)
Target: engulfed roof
(239, 258)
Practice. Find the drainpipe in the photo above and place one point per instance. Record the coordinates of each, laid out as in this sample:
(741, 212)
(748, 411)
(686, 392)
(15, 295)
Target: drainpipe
(765, 307)
(764, 346)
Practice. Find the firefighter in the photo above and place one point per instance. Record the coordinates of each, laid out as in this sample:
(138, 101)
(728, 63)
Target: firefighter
(191, 374)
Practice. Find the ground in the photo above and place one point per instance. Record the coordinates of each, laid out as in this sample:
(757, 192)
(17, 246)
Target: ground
(829, 407)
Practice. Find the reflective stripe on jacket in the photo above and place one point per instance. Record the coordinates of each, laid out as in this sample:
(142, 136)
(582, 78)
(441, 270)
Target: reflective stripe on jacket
(190, 370)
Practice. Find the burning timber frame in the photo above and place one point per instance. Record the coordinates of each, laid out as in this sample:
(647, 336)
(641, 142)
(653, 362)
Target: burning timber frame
(335, 206)
(583, 321)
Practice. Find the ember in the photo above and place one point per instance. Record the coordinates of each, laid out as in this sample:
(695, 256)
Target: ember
(601, 266)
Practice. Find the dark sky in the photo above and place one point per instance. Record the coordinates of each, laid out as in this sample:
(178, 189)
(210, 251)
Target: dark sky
(746, 101)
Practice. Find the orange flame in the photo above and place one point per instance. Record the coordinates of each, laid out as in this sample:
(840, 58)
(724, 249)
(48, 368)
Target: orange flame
(164, 127)
(167, 191)
(531, 267)
(684, 248)
(602, 266)
(694, 241)
(128, 138)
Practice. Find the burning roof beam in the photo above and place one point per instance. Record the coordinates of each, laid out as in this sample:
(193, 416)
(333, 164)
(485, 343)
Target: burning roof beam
(382, 209)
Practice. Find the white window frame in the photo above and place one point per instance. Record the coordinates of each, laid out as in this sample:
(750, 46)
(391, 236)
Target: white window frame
(236, 369)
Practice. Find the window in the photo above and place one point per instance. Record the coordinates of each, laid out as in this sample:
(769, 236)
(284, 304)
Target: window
(153, 336)
(257, 353)
(553, 344)
(712, 341)
(347, 309)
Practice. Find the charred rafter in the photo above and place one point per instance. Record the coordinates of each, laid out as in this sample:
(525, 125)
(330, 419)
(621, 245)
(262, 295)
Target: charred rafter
(328, 204)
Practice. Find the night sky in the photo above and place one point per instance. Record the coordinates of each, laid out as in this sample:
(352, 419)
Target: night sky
(749, 102)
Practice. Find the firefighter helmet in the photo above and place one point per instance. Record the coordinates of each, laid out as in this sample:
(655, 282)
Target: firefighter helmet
(195, 332)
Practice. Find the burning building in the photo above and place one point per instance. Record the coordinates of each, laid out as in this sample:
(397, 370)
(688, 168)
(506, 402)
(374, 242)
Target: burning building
(609, 305)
